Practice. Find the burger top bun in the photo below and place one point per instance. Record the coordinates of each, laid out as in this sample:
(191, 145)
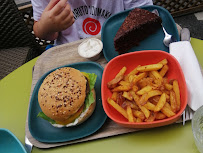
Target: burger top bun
(62, 93)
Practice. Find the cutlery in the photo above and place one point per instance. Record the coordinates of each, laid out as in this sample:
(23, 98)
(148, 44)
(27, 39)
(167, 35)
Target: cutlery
(168, 38)
(185, 36)
(184, 116)
(28, 145)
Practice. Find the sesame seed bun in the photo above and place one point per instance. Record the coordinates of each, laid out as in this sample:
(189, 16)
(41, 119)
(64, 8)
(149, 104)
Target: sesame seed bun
(62, 93)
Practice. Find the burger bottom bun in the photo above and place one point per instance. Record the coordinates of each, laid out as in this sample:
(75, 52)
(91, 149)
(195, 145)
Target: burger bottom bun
(84, 115)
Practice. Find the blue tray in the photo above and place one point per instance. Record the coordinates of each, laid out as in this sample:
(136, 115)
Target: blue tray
(153, 42)
(43, 131)
(10, 143)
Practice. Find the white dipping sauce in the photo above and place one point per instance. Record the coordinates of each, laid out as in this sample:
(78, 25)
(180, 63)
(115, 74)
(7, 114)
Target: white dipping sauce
(90, 47)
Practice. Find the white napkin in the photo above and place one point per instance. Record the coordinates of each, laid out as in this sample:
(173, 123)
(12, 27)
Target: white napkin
(185, 55)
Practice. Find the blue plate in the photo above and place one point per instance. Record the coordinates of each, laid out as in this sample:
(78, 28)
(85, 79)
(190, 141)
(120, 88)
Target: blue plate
(10, 143)
(43, 131)
(153, 42)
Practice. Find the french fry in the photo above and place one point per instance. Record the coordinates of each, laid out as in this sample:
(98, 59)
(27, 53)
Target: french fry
(112, 84)
(160, 103)
(144, 90)
(151, 67)
(127, 95)
(157, 75)
(149, 106)
(145, 111)
(131, 77)
(139, 114)
(117, 107)
(164, 61)
(114, 96)
(177, 93)
(124, 83)
(133, 72)
(118, 78)
(173, 101)
(166, 111)
(131, 104)
(139, 77)
(143, 99)
(135, 97)
(160, 116)
(168, 86)
(121, 72)
(164, 70)
(167, 95)
(130, 114)
(138, 120)
(151, 117)
(121, 88)
(153, 93)
(168, 105)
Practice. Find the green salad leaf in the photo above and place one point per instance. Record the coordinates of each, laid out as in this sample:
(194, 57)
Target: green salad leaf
(93, 78)
(42, 115)
(90, 98)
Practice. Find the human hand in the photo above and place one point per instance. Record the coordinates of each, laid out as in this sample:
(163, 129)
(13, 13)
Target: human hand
(56, 17)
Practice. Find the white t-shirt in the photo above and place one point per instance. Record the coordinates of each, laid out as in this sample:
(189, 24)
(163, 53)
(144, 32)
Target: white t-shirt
(89, 15)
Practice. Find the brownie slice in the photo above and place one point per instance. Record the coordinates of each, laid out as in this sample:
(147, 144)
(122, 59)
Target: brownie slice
(138, 25)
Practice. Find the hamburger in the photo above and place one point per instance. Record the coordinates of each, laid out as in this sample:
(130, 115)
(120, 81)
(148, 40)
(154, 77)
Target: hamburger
(67, 97)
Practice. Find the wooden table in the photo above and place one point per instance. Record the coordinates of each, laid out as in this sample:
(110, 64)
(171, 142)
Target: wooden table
(14, 101)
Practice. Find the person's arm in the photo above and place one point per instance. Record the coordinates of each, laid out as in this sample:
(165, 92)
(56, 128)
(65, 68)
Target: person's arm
(132, 3)
(56, 17)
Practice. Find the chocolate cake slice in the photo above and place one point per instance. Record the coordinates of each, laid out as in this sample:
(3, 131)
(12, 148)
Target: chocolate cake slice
(138, 25)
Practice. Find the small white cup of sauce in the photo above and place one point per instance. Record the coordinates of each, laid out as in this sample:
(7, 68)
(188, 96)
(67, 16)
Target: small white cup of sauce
(90, 49)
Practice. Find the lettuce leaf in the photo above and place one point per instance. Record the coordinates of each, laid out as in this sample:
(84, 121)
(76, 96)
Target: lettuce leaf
(93, 78)
(90, 98)
(42, 115)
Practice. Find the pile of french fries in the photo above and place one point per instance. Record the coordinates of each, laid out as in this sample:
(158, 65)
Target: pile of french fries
(145, 94)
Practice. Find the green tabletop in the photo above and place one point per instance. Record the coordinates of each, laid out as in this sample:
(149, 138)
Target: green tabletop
(14, 99)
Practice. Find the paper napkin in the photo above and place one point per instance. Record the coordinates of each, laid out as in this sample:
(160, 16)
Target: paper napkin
(185, 55)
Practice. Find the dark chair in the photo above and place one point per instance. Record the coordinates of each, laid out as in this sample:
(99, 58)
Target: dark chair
(180, 7)
(17, 44)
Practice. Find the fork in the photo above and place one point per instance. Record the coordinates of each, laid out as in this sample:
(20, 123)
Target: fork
(190, 113)
(168, 38)
(187, 114)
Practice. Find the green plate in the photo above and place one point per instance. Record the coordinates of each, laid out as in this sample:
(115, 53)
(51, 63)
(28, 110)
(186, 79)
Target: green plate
(43, 131)
(153, 42)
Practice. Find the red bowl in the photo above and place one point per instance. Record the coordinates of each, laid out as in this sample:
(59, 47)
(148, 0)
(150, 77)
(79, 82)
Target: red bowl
(131, 60)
